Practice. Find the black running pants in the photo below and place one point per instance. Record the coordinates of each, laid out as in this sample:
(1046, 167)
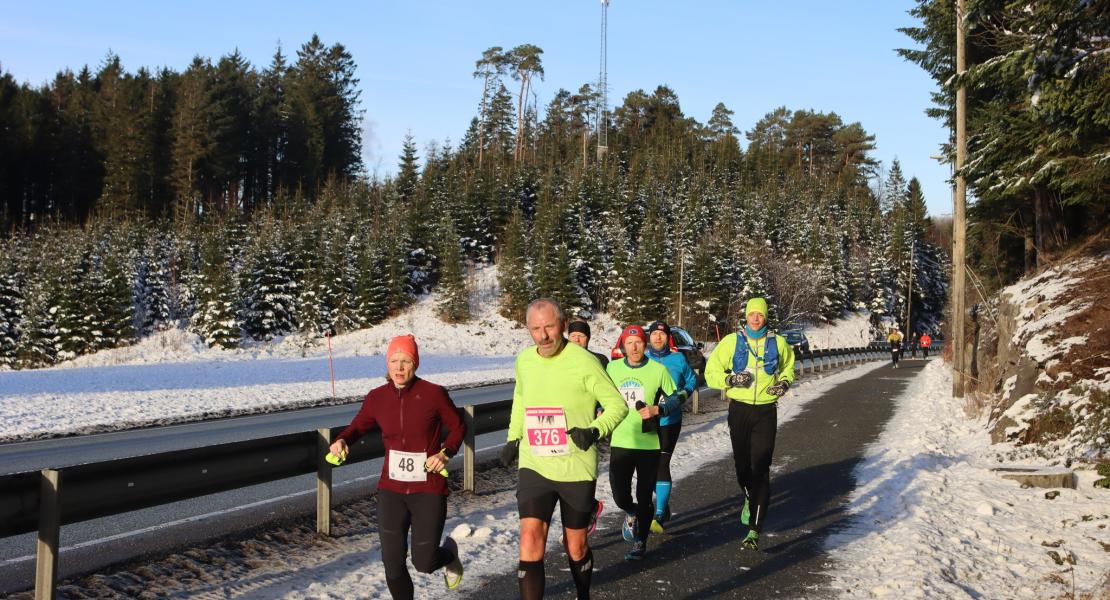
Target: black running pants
(424, 514)
(752, 429)
(623, 463)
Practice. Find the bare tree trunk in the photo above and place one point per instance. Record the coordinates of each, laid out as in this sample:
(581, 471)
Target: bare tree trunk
(519, 119)
(1050, 232)
(482, 123)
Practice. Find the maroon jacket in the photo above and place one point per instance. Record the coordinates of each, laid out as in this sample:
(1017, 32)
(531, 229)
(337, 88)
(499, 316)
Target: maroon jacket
(411, 420)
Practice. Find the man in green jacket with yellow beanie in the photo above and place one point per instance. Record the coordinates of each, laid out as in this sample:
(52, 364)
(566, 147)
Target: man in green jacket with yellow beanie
(753, 368)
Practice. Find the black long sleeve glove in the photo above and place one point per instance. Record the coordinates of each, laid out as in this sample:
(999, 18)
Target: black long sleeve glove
(583, 437)
(510, 452)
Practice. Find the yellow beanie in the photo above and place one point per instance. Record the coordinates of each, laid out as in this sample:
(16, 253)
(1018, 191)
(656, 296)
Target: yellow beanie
(758, 305)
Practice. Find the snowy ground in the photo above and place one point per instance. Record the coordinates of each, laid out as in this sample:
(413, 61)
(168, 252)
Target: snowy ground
(932, 520)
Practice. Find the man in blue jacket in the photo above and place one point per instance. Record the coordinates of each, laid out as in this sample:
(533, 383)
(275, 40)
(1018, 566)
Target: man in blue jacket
(659, 350)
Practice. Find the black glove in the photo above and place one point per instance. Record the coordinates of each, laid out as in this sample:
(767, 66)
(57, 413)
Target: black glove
(584, 437)
(651, 423)
(742, 379)
(510, 452)
(778, 389)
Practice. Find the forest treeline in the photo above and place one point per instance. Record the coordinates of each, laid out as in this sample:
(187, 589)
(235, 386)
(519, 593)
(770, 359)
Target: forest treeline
(1038, 123)
(261, 224)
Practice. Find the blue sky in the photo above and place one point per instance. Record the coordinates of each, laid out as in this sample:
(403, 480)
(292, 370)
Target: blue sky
(415, 59)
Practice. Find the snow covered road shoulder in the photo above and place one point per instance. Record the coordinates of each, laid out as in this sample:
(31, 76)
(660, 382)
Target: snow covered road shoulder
(932, 521)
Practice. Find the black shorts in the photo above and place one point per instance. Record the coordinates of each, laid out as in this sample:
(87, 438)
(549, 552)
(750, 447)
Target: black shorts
(536, 496)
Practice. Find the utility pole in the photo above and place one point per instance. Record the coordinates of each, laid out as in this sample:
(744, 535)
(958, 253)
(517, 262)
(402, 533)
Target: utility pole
(959, 225)
(681, 264)
(909, 296)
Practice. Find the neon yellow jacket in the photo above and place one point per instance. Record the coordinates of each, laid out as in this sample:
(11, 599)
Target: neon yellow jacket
(720, 360)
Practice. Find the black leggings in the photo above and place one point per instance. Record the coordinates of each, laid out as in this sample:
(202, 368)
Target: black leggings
(425, 514)
(752, 429)
(895, 354)
(668, 439)
(623, 462)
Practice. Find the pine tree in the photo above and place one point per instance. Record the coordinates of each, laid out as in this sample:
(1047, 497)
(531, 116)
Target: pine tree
(514, 272)
(216, 319)
(454, 302)
(372, 290)
(114, 311)
(73, 324)
(11, 309)
(150, 293)
(269, 288)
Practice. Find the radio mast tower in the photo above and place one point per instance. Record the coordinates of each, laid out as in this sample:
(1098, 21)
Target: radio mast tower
(603, 85)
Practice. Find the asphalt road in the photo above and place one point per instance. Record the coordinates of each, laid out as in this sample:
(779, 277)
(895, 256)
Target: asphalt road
(700, 555)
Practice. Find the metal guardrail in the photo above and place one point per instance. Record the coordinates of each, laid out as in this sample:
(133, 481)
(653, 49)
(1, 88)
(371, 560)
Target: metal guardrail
(47, 499)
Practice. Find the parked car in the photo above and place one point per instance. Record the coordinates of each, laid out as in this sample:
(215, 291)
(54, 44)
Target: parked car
(683, 342)
(797, 340)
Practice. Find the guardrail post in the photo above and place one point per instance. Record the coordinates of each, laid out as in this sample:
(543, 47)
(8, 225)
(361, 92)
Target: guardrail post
(468, 449)
(50, 524)
(800, 363)
(697, 392)
(323, 482)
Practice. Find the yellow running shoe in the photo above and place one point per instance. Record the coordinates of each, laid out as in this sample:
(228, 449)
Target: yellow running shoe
(452, 571)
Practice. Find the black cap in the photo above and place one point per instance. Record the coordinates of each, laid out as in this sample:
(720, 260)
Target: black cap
(659, 326)
(579, 327)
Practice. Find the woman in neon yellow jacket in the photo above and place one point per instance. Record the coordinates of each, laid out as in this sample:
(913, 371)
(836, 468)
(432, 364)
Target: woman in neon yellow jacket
(753, 368)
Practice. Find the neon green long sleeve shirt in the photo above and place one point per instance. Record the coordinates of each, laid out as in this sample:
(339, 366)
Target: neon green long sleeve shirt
(720, 360)
(553, 395)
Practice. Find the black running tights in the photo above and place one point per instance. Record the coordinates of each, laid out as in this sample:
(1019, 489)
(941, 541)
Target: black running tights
(424, 514)
(752, 429)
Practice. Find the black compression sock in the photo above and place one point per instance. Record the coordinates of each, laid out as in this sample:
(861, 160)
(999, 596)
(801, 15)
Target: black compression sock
(531, 579)
(582, 571)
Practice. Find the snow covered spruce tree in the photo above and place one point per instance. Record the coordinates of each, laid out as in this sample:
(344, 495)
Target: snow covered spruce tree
(11, 306)
(454, 301)
(371, 283)
(216, 318)
(150, 292)
(269, 289)
(514, 272)
(110, 318)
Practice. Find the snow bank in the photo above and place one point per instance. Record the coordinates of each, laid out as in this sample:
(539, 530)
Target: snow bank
(932, 521)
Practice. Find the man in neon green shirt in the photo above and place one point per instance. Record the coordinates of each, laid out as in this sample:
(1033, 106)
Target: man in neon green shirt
(552, 432)
(649, 391)
(754, 368)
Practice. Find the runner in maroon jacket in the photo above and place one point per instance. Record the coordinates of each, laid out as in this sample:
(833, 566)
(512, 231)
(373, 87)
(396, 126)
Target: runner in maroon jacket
(412, 493)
